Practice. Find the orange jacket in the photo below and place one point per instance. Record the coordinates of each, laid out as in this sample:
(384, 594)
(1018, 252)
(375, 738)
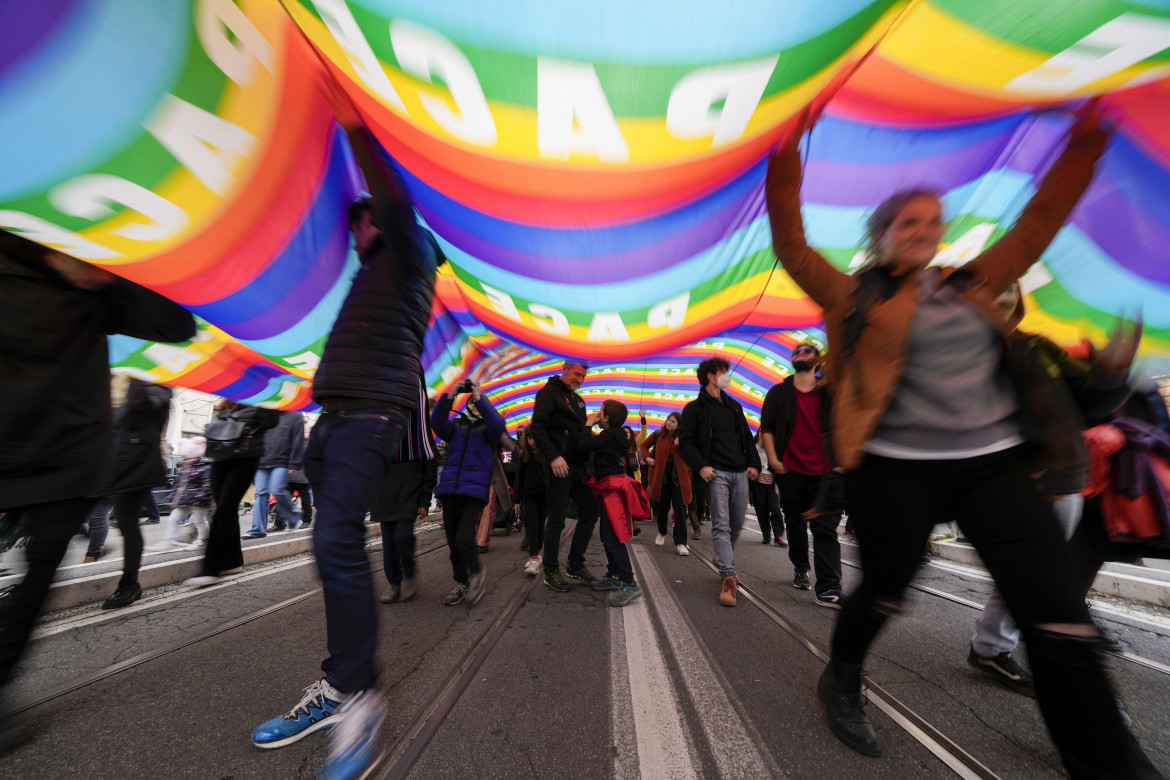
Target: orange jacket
(662, 447)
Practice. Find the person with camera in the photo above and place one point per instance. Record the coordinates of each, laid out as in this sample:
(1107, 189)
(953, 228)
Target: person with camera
(472, 441)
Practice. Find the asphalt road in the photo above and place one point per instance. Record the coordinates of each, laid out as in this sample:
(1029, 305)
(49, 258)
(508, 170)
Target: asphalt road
(674, 686)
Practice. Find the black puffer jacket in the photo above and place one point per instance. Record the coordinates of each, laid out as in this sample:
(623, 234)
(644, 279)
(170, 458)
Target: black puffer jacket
(374, 349)
(138, 426)
(55, 372)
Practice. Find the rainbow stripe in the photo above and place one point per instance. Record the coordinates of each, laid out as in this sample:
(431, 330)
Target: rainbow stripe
(594, 172)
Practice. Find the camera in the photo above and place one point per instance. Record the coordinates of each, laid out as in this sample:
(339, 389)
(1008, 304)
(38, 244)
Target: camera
(463, 387)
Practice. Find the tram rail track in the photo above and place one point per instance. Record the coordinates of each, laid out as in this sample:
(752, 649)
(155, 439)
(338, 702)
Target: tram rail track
(963, 763)
(1133, 658)
(77, 684)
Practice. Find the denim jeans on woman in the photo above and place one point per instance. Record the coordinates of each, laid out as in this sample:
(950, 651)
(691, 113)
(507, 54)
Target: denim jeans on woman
(895, 503)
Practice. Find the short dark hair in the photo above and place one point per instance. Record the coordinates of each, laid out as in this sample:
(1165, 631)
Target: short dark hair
(711, 365)
(615, 413)
(570, 363)
(358, 208)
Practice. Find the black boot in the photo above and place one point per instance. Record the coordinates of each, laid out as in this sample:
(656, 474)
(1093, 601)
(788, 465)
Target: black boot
(124, 596)
(840, 692)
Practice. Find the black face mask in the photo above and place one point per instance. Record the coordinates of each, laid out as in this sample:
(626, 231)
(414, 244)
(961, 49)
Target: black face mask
(802, 365)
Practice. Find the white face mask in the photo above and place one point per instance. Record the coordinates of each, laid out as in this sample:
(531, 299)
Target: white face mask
(723, 381)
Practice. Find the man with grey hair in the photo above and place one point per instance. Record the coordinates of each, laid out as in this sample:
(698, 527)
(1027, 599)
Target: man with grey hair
(558, 417)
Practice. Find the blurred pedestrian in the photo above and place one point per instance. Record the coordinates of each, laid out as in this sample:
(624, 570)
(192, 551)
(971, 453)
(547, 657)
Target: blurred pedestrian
(55, 420)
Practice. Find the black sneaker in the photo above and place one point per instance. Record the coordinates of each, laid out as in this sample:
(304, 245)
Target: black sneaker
(555, 580)
(582, 575)
(832, 598)
(1005, 671)
(456, 595)
(608, 582)
(123, 597)
(800, 581)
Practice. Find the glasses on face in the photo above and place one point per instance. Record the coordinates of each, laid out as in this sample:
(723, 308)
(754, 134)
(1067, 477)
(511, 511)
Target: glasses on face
(803, 350)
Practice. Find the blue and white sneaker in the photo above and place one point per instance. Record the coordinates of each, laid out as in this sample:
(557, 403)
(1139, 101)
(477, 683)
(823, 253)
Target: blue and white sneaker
(356, 739)
(319, 709)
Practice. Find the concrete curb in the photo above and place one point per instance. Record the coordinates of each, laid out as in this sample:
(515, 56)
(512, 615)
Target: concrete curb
(87, 590)
(1126, 586)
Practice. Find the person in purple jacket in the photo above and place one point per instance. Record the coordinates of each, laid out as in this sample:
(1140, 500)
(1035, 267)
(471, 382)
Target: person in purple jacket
(472, 441)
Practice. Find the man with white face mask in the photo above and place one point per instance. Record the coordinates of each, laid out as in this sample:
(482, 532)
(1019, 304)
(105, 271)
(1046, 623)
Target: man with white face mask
(717, 444)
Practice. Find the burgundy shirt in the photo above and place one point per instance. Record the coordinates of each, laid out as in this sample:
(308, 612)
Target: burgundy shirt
(804, 453)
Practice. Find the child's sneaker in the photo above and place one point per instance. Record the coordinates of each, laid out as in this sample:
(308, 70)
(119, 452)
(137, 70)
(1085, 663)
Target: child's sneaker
(625, 593)
(318, 709)
(532, 568)
(355, 741)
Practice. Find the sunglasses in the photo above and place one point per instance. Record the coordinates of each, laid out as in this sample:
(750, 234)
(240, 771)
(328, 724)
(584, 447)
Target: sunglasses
(800, 350)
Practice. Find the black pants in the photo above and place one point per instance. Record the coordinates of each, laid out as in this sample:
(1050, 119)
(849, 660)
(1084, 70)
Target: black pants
(460, 518)
(767, 505)
(535, 506)
(895, 503)
(51, 526)
(662, 512)
(617, 557)
(398, 549)
(229, 482)
(302, 490)
(797, 494)
(560, 491)
(126, 506)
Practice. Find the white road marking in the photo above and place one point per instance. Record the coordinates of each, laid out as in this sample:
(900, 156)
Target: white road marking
(662, 745)
(732, 741)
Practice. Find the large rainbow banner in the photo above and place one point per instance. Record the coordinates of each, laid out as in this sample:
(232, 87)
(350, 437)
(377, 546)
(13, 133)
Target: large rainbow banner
(593, 171)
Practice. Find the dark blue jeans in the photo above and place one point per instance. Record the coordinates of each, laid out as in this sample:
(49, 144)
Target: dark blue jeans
(617, 557)
(346, 456)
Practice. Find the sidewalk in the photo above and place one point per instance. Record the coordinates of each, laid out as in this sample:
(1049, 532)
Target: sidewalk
(1149, 583)
(77, 584)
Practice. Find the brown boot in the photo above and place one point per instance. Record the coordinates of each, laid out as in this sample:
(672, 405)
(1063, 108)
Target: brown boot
(728, 593)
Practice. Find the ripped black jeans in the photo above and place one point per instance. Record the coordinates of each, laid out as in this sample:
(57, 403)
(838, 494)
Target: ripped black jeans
(895, 503)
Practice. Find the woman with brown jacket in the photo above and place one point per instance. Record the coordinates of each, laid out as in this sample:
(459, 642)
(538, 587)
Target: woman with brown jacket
(670, 481)
(931, 425)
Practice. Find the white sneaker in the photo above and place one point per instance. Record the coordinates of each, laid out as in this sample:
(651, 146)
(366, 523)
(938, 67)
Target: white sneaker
(532, 568)
(202, 581)
(198, 544)
(682, 550)
(661, 540)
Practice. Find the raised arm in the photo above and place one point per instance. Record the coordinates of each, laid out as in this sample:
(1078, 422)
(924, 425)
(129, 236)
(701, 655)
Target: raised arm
(441, 422)
(820, 280)
(1060, 190)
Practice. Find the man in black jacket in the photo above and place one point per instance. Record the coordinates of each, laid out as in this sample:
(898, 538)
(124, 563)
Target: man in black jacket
(369, 385)
(790, 428)
(717, 444)
(55, 431)
(558, 417)
(284, 449)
